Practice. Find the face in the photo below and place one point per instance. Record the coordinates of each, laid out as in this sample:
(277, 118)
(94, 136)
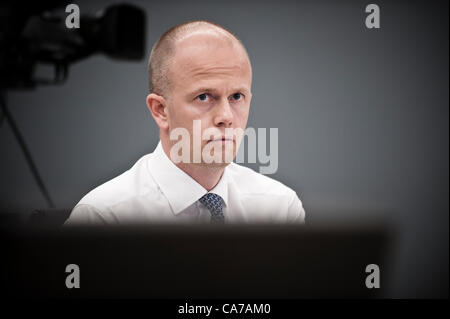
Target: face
(211, 83)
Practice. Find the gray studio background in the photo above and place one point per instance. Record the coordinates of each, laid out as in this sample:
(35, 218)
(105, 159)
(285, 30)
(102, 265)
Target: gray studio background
(362, 117)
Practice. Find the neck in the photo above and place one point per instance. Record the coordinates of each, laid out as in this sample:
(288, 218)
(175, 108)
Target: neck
(206, 175)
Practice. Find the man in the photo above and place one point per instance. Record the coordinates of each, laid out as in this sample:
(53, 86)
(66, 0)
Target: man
(200, 79)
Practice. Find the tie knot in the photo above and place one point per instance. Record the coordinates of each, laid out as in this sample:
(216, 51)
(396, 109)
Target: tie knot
(214, 204)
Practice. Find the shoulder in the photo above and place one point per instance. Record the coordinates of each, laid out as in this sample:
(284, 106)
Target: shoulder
(274, 200)
(253, 183)
(134, 182)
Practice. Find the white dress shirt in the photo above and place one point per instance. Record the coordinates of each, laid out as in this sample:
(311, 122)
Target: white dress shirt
(156, 190)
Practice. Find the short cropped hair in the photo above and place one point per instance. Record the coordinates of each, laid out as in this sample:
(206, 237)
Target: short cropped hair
(164, 49)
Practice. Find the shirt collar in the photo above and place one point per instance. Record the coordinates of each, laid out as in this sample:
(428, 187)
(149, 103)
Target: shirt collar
(180, 189)
(221, 188)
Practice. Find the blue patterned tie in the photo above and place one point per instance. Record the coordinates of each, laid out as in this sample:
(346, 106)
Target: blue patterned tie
(214, 204)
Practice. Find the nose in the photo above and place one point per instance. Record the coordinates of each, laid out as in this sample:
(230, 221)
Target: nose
(223, 114)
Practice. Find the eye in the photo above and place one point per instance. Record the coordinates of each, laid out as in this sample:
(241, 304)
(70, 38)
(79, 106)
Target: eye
(237, 96)
(203, 97)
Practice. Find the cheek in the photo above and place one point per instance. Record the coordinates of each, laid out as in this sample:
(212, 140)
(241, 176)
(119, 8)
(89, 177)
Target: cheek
(241, 116)
(177, 113)
(184, 109)
(184, 116)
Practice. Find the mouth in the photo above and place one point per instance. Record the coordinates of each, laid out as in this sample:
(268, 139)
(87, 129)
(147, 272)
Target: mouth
(222, 139)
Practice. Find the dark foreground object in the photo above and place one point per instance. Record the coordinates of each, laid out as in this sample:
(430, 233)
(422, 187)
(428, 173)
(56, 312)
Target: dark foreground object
(187, 261)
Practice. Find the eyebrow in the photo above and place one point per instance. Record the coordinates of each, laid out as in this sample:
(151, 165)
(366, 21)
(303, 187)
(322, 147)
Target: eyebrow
(210, 90)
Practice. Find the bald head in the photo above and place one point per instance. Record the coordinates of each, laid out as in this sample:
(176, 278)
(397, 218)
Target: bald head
(165, 49)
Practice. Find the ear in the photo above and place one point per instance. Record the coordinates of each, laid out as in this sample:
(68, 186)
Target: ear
(158, 108)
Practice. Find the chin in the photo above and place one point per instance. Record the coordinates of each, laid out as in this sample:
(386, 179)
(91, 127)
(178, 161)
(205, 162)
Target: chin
(217, 165)
(222, 163)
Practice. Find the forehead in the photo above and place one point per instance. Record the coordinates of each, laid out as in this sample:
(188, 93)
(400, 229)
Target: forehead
(205, 58)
